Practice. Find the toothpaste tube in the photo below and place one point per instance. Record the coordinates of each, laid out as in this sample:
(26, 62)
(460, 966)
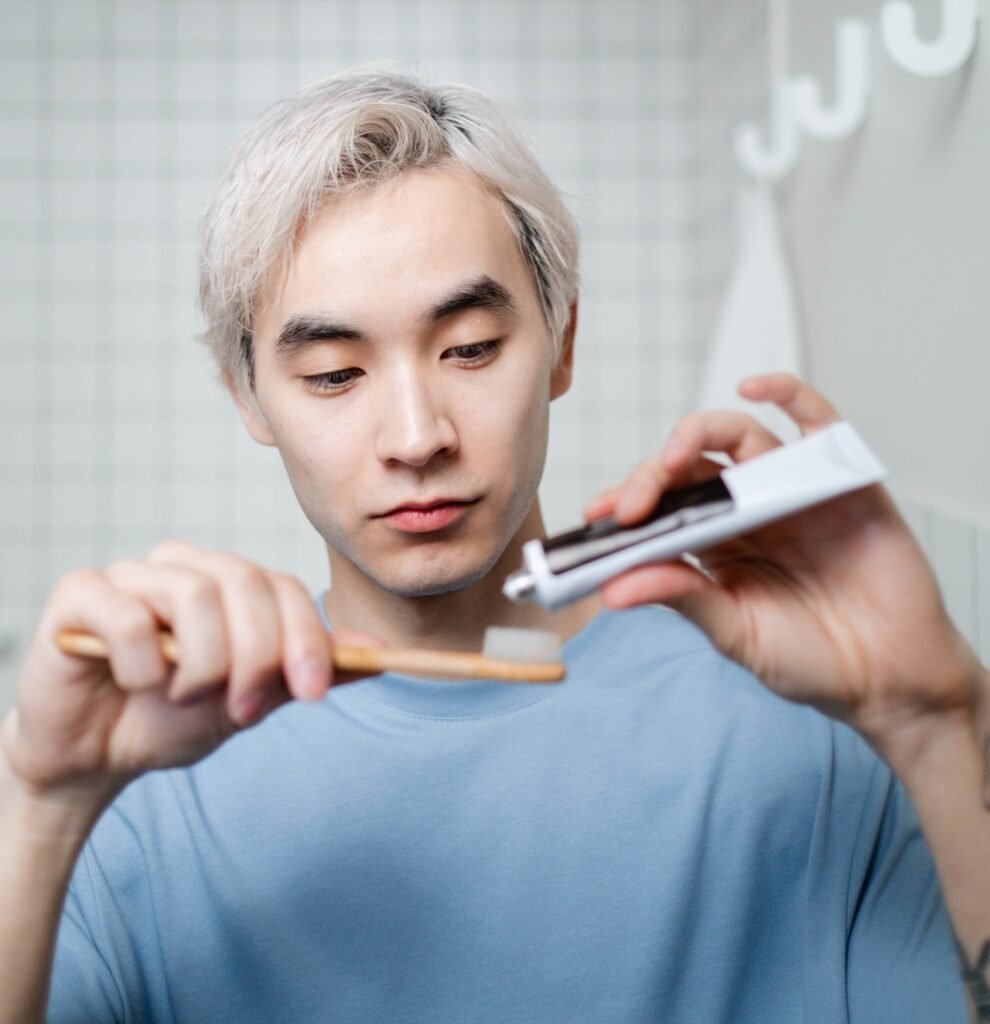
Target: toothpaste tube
(743, 497)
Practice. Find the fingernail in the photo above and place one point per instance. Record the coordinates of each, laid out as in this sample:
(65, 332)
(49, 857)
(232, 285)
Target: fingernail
(248, 708)
(312, 678)
(190, 700)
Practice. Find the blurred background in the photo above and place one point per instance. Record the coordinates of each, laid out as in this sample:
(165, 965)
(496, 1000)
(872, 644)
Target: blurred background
(119, 115)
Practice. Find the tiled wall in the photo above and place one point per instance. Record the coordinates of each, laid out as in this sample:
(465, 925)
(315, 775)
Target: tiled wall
(117, 118)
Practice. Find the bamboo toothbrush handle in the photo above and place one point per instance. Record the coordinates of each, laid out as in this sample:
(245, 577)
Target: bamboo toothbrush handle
(452, 664)
(411, 661)
(86, 645)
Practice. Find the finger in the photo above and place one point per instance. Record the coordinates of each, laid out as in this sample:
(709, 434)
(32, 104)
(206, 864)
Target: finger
(639, 496)
(253, 624)
(191, 604)
(683, 588)
(659, 583)
(601, 505)
(86, 600)
(810, 410)
(639, 493)
(306, 646)
(735, 433)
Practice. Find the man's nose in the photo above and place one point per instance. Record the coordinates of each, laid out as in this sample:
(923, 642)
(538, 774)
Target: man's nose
(414, 425)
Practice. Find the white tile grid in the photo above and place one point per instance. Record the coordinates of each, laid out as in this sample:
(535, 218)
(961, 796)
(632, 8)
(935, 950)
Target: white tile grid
(124, 114)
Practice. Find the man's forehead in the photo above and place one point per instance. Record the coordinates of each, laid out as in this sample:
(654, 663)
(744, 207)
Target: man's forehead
(417, 242)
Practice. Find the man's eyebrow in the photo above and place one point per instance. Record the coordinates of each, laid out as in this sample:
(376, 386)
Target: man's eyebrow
(299, 331)
(481, 293)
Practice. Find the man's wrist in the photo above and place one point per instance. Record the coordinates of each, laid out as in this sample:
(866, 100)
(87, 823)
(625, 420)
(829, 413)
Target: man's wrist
(51, 821)
(933, 746)
(41, 830)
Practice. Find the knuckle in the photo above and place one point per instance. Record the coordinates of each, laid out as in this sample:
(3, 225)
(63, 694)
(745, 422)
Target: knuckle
(83, 577)
(121, 568)
(199, 590)
(646, 472)
(248, 577)
(685, 424)
(73, 587)
(291, 585)
(134, 625)
(166, 550)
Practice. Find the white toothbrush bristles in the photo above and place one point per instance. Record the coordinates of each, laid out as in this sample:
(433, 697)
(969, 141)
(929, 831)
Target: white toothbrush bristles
(505, 643)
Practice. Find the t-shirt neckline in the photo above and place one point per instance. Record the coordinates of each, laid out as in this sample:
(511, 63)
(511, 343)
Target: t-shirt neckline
(468, 698)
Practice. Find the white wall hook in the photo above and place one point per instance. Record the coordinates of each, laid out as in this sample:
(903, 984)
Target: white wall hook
(853, 85)
(947, 53)
(779, 157)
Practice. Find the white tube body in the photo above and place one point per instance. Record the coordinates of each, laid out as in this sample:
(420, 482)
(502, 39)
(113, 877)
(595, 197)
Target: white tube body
(823, 465)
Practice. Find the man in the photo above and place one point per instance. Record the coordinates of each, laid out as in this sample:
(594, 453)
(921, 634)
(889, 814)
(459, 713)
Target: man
(389, 285)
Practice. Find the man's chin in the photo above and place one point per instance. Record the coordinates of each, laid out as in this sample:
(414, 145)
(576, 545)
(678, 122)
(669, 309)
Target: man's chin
(430, 585)
(430, 579)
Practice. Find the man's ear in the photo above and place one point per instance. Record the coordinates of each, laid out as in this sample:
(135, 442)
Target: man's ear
(560, 379)
(247, 406)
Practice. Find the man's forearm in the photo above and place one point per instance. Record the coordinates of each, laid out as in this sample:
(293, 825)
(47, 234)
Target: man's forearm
(948, 779)
(39, 843)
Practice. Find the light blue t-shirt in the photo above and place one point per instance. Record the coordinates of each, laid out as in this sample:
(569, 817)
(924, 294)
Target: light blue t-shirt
(656, 839)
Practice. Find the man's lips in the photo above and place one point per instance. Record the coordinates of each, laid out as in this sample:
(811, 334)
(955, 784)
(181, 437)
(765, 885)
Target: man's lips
(423, 517)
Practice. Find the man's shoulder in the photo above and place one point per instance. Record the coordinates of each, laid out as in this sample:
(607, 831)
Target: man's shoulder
(650, 646)
(649, 631)
(663, 663)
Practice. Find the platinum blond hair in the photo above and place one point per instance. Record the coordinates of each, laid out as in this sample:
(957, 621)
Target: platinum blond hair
(358, 129)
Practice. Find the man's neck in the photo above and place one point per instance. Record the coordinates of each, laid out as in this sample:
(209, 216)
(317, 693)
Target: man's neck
(454, 621)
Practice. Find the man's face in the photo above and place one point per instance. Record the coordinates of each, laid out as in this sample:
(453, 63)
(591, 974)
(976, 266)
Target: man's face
(404, 371)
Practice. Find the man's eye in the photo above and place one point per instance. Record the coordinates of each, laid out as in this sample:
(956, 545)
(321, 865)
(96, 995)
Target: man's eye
(333, 380)
(479, 352)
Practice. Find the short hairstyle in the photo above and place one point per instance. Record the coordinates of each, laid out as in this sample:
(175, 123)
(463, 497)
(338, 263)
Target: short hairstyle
(357, 129)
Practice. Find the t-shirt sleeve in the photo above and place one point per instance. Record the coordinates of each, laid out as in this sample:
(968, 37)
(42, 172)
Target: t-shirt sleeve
(83, 989)
(901, 962)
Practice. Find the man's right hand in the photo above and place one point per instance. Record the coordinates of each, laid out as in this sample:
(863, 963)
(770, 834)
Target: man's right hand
(249, 640)
(81, 729)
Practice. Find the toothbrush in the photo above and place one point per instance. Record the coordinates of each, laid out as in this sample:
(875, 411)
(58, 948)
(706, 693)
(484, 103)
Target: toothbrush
(509, 655)
(743, 497)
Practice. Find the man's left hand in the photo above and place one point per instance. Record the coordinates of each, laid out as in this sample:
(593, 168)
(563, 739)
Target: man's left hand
(835, 607)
